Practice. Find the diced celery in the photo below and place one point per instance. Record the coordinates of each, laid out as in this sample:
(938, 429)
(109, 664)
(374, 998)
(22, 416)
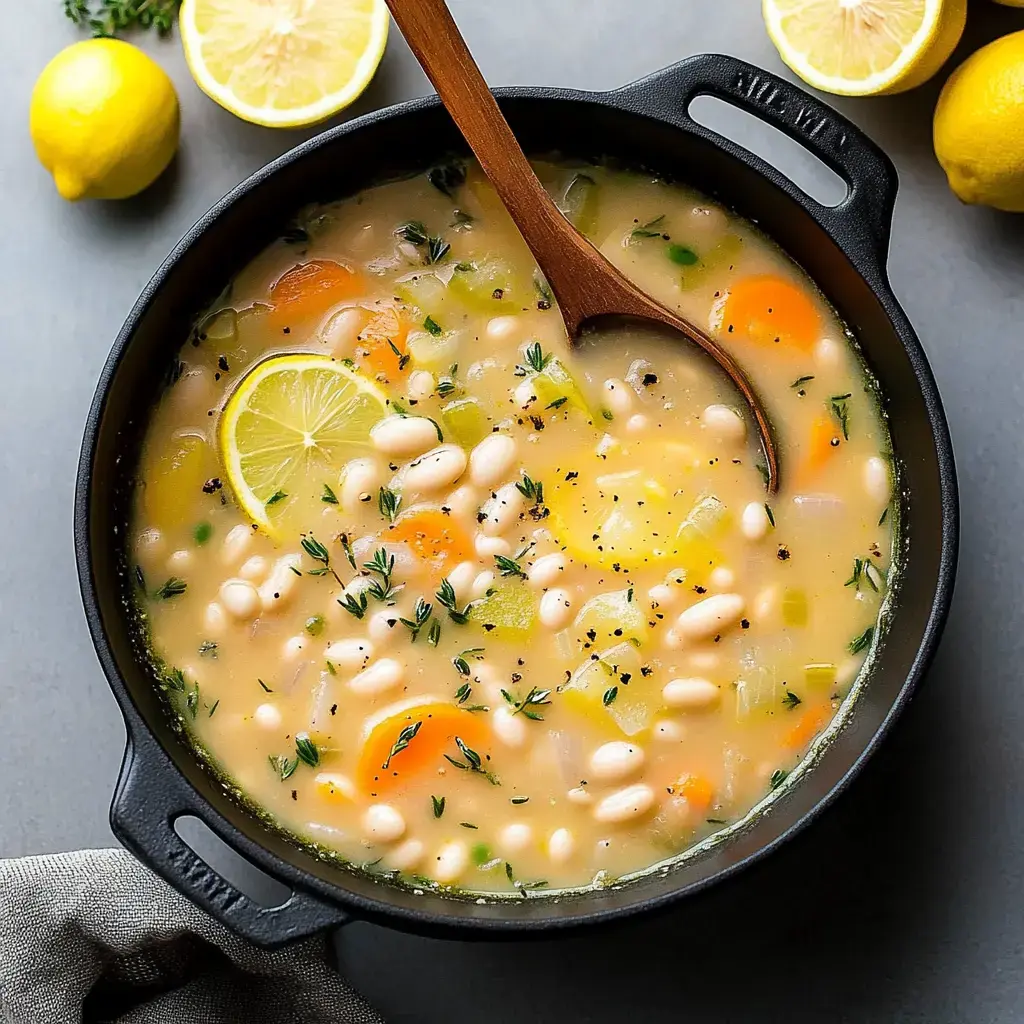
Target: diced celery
(580, 203)
(432, 352)
(820, 674)
(426, 291)
(466, 421)
(609, 618)
(695, 537)
(556, 384)
(794, 607)
(617, 668)
(488, 285)
(508, 613)
(755, 692)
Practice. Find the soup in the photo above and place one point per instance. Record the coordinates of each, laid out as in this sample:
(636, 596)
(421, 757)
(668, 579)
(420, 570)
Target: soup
(451, 600)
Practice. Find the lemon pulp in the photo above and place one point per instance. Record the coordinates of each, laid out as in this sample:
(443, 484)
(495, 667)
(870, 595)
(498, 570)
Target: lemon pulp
(292, 421)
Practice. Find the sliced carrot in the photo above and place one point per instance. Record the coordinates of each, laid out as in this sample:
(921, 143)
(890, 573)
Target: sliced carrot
(433, 537)
(381, 347)
(697, 791)
(770, 310)
(822, 444)
(310, 289)
(811, 722)
(439, 724)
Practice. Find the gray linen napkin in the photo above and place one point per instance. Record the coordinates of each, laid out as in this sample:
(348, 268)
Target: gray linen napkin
(94, 937)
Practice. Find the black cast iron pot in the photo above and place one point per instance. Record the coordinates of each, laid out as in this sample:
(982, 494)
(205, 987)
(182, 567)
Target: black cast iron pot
(644, 125)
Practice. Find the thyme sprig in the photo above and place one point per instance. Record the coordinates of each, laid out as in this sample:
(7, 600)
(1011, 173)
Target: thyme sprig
(405, 737)
(421, 614)
(472, 763)
(320, 554)
(840, 405)
(535, 698)
(447, 598)
(536, 360)
(382, 565)
(389, 503)
(114, 16)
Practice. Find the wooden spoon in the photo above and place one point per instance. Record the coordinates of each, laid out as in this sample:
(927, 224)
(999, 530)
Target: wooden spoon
(584, 283)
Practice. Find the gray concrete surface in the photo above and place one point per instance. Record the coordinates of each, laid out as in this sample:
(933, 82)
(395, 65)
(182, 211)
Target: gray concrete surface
(904, 903)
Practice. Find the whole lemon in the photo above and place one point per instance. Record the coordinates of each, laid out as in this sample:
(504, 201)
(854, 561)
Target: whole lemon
(978, 131)
(104, 120)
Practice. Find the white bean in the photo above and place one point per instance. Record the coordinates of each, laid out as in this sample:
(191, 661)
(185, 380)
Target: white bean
(487, 547)
(515, 837)
(502, 511)
(662, 595)
(667, 731)
(709, 616)
(725, 423)
(383, 823)
(481, 584)
(618, 396)
(439, 468)
(407, 855)
(502, 328)
(359, 481)
(766, 604)
(240, 599)
(509, 728)
(525, 394)
(580, 796)
(616, 760)
(452, 860)
(382, 625)
(637, 423)
(721, 579)
(179, 561)
(754, 521)
(349, 654)
(383, 675)
(625, 804)
(491, 460)
(461, 578)
(404, 436)
(694, 694)
(876, 478)
(293, 647)
(235, 545)
(214, 619)
(546, 570)
(341, 331)
(561, 845)
(420, 386)
(279, 587)
(267, 716)
(254, 569)
(555, 608)
(462, 502)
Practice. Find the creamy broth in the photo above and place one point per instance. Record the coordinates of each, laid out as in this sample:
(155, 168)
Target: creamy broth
(597, 643)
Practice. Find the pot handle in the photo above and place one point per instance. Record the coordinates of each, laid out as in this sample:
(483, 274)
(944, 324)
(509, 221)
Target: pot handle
(863, 220)
(150, 796)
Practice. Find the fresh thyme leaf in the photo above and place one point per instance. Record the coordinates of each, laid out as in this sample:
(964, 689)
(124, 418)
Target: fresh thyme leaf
(445, 387)
(383, 565)
(405, 737)
(509, 566)
(397, 408)
(201, 533)
(473, 762)
(608, 414)
(791, 700)
(858, 568)
(468, 824)
(517, 800)
(327, 496)
(306, 750)
(192, 700)
(266, 688)
(432, 326)
(770, 514)
(841, 411)
(347, 548)
(437, 249)
(536, 361)
(448, 177)
(275, 498)
(647, 230)
(213, 708)
(116, 16)
(629, 596)
(682, 255)
(175, 679)
(315, 549)
(609, 695)
(461, 663)
(421, 613)
(532, 490)
(446, 598)
(413, 231)
(463, 693)
(884, 515)
(284, 766)
(861, 642)
(779, 776)
(534, 698)
(434, 633)
(438, 803)
(389, 503)
(469, 754)
(330, 668)
(557, 403)
(172, 587)
(354, 605)
(315, 625)
(763, 470)
(208, 647)
(800, 381)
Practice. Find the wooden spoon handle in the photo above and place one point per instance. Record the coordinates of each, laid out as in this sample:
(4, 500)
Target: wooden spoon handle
(435, 39)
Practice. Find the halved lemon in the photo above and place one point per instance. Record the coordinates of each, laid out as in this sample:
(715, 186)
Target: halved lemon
(865, 47)
(292, 422)
(283, 63)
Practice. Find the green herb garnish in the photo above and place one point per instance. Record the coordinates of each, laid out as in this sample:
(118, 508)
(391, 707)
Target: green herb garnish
(306, 750)
(115, 16)
(609, 695)
(327, 496)
(201, 533)
(389, 503)
(315, 625)
(791, 700)
(438, 803)
(405, 737)
(536, 360)
(432, 326)
(682, 255)
(648, 230)
(447, 599)
(276, 497)
(473, 762)
(862, 642)
(421, 613)
(841, 411)
(172, 587)
(533, 699)
(532, 490)
(779, 776)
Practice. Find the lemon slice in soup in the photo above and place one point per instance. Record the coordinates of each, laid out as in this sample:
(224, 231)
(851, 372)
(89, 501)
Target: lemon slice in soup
(294, 419)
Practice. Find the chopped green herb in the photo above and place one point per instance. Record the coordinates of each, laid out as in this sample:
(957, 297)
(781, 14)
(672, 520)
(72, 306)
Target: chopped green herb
(266, 688)
(319, 553)
(841, 411)
(405, 737)
(208, 647)
(468, 824)
(608, 414)
(609, 695)
(536, 361)
(383, 565)
(327, 496)
(862, 642)
(192, 700)
(770, 514)
(275, 498)
(172, 587)
(201, 533)
(682, 255)
(779, 776)
(434, 633)
(532, 490)
(517, 800)
(649, 230)
(534, 698)
(460, 660)
(284, 766)
(308, 752)
(437, 249)
(347, 548)
(389, 503)
(884, 515)
(447, 599)
(353, 604)
(330, 668)
(175, 679)
(557, 403)
(315, 625)
(213, 708)
(413, 231)
(116, 16)
(800, 381)
(431, 325)
(421, 613)
(463, 693)
(509, 566)
(473, 762)
(791, 700)
(438, 802)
